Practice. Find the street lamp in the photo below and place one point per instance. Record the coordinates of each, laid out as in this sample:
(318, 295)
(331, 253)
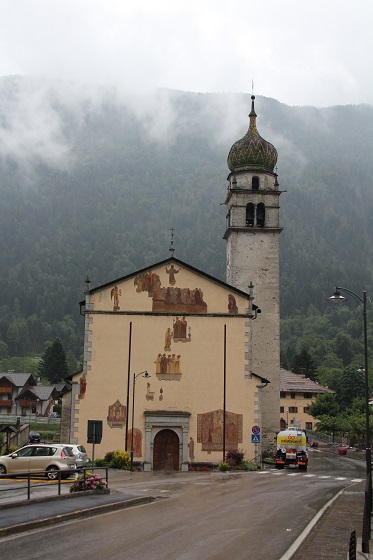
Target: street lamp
(135, 376)
(338, 298)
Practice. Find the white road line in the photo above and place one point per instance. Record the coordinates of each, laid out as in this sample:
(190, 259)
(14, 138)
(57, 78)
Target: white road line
(357, 480)
(341, 478)
(326, 476)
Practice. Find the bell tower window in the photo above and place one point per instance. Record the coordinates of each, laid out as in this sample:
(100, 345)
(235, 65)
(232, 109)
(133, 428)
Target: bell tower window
(250, 214)
(260, 215)
(255, 183)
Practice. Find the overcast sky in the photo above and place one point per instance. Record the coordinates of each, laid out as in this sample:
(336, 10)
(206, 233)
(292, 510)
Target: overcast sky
(300, 52)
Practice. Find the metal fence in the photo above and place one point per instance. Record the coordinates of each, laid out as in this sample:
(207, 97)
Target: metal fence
(55, 487)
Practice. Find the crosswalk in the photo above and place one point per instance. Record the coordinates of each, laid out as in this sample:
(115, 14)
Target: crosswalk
(284, 472)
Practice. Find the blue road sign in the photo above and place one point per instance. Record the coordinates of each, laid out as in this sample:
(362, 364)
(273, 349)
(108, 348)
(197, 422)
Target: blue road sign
(255, 438)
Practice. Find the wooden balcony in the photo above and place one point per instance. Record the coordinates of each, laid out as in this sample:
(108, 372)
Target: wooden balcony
(6, 390)
(8, 403)
(27, 404)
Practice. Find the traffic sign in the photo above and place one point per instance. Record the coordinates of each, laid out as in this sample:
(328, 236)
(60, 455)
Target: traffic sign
(255, 429)
(255, 438)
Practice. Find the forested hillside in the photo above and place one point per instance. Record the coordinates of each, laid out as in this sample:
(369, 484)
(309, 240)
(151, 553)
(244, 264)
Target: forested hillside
(92, 181)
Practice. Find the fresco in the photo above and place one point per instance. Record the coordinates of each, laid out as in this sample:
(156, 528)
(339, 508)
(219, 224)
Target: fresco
(82, 386)
(168, 367)
(116, 417)
(170, 298)
(114, 295)
(137, 442)
(210, 430)
(232, 306)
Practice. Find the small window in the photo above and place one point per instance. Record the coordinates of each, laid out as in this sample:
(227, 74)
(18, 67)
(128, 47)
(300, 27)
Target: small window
(308, 425)
(282, 410)
(250, 214)
(292, 395)
(307, 395)
(260, 215)
(255, 183)
(282, 395)
(306, 409)
(293, 409)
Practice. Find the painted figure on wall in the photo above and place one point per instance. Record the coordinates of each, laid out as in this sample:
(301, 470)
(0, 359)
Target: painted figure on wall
(171, 272)
(210, 428)
(114, 294)
(168, 366)
(137, 442)
(147, 282)
(191, 449)
(232, 306)
(180, 328)
(167, 340)
(82, 386)
(116, 417)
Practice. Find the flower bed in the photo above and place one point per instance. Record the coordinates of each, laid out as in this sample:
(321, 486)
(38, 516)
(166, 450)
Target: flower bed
(91, 482)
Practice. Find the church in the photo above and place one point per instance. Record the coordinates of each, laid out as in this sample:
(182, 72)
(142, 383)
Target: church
(180, 367)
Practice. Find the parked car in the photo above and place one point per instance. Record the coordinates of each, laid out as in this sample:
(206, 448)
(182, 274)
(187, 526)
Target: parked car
(48, 459)
(342, 449)
(80, 453)
(34, 437)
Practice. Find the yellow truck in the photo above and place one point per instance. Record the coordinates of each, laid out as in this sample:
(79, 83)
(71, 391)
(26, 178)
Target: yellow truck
(291, 449)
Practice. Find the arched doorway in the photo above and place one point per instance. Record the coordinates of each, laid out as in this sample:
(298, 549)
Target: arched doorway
(166, 451)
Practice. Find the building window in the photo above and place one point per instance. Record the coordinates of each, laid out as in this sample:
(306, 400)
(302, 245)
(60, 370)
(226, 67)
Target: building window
(255, 183)
(307, 395)
(293, 409)
(308, 425)
(250, 214)
(292, 395)
(282, 395)
(306, 410)
(282, 410)
(260, 215)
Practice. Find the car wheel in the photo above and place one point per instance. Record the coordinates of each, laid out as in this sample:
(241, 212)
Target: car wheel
(2, 469)
(52, 473)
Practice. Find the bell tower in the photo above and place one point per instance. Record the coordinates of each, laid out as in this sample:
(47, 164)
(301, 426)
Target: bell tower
(253, 254)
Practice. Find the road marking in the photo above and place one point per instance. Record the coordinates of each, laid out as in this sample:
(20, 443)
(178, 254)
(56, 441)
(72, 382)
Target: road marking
(357, 480)
(327, 476)
(341, 478)
(309, 475)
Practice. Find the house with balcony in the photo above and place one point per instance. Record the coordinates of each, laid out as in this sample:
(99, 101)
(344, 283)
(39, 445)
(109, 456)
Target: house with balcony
(297, 393)
(11, 385)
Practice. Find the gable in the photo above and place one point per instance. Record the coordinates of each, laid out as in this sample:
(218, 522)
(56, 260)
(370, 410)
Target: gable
(169, 287)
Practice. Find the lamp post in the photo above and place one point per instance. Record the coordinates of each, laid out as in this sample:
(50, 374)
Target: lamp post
(337, 298)
(135, 376)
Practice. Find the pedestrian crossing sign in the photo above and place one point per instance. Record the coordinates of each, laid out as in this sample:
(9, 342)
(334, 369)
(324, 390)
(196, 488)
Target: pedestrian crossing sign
(255, 438)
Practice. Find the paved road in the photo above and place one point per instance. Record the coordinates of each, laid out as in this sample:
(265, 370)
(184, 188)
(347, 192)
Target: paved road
(255, 515)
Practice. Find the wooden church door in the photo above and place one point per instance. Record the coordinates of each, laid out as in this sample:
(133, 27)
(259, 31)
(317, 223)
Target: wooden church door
(166, 451)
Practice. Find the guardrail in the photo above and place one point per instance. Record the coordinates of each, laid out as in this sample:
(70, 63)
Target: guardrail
(58, 483)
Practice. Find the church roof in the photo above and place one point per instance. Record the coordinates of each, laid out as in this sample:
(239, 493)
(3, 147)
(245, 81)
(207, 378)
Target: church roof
(252, 152)
(168, 262)
(295, 383)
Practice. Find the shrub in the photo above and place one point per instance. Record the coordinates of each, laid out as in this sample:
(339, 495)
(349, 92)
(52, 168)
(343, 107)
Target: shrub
(120, 460)
(223, 466)
(91, 481)
(100, 463)
(234, 457)
(109, 456)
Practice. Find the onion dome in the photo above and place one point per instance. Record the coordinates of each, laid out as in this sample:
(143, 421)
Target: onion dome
(252, 151)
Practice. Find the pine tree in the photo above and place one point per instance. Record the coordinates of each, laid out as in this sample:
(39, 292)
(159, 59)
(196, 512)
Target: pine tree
(53, 365)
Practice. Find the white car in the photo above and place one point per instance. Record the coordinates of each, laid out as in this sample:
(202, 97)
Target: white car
(80, 454)
(40, 459)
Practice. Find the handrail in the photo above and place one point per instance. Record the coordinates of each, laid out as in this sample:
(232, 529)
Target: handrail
(58, 482)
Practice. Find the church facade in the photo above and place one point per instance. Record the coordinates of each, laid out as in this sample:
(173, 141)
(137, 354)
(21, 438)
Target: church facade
(179, 366)
(168, 368)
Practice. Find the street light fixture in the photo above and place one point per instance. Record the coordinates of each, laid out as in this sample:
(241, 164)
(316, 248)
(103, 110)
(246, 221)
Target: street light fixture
(337, 297)
(135, 376)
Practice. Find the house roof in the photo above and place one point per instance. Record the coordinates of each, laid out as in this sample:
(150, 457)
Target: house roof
(18, 379)
(297, 383)
(39, 392)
